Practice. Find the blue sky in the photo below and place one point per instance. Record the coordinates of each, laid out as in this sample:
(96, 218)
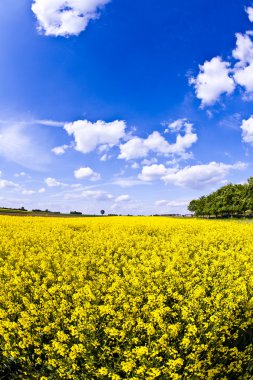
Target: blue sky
(133, 107)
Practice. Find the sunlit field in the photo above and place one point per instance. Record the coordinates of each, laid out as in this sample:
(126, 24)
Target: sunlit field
(125, 298)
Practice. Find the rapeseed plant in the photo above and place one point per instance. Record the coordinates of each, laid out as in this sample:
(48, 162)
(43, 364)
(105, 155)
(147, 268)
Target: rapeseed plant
(125, 298)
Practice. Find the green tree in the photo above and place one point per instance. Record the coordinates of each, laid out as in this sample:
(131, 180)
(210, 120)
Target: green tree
(229, 200)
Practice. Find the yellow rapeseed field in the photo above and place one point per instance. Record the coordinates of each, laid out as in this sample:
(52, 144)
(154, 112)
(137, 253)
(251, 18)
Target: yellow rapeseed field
(125, 298)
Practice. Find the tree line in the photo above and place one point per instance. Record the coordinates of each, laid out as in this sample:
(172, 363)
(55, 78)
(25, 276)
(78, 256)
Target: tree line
(232, 200)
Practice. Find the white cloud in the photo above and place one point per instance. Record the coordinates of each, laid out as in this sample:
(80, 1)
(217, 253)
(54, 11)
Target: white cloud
(50, 123)
(134, 148)
(21, 174)
(122, 198)
(96, 195)
(65, 17)
(213, 80)
(5, 184)
(103, 148)
(249, 10)
(217, 77)
(105, 157)
(247, 130)
(244, 49)
(153, 172)
(87, 173)
(199, 176)
(244, 77)
(135, 165)
(175, 126)
(42, 190)
(243, 72)
(156, 143)
(146, 162)
(89, 136)
(195, 176)
(52, 182)
(59, 150)
(127, 182)
(184, 142)
(28, 192)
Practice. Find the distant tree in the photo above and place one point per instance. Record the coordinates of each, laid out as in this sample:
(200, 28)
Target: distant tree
(102, 212)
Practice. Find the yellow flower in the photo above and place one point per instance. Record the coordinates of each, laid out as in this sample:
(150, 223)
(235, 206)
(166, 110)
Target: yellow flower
(141, 298)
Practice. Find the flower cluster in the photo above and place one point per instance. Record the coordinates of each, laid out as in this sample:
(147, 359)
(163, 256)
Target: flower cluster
(125, 298)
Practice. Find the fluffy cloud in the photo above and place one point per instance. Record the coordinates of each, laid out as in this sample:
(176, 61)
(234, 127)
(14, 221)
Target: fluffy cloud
(65, 17)
(247, 130)
(89, 136)
(176, 125)
(87, 173)
(146, 162)
(134, 148)
(201, 175)
(213, 80)
(105, 157)
(5, 184)
(244, 49)
(153, 172)
(249, 10)
(139, 148)
(52, 182)
(196, 176)
(244, 77)
(59, 150)
(243, 72)
(135, 165)
(217, 77)
(102, 136)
